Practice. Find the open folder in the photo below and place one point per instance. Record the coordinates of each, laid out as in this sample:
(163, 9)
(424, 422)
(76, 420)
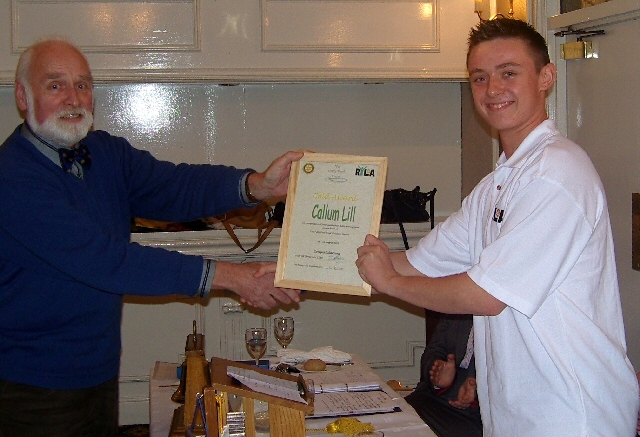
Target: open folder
(353, 403)
(349, 392)
(354, 379)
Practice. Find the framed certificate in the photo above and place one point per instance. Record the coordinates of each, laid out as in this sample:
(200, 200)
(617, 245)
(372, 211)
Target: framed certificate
(333, 202)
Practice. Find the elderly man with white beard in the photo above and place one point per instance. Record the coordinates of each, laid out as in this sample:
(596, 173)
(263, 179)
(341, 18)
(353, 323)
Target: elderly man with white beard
(67, 196)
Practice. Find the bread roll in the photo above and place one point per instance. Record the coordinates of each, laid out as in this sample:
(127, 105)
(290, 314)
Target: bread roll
(315, 365)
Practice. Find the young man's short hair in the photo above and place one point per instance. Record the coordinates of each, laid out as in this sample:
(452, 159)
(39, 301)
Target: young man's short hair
(503, 27)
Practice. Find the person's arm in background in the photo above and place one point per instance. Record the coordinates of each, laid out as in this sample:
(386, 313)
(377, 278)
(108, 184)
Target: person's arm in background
(435, 356)
(466, 395)
(443, 358)
(443, 373)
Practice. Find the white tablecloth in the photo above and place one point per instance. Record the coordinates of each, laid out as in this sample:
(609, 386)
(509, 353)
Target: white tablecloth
(402, 423)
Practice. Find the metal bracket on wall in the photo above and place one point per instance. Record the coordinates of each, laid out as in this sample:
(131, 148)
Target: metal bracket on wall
(230, 308)
(579, 49)
(581, 33)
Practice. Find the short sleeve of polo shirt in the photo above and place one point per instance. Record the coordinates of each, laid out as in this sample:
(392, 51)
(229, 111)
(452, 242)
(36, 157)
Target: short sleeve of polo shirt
(538, 245)
(541, 238)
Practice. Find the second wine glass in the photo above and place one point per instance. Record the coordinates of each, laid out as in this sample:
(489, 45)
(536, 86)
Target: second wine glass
(283, 330)
(256, 340)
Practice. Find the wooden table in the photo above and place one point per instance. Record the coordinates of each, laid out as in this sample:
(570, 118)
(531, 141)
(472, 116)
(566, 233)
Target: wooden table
(398, 424)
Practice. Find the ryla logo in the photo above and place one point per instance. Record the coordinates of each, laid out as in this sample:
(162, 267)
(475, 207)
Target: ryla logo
(364, 171)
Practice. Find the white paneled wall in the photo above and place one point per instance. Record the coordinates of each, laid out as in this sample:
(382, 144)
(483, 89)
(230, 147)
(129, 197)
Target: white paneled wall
(250, 41)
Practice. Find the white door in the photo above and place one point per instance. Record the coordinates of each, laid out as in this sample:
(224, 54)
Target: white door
(597, 103)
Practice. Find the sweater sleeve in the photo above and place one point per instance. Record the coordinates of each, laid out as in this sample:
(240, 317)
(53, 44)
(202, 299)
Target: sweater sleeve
(162, 190)
(70, 229)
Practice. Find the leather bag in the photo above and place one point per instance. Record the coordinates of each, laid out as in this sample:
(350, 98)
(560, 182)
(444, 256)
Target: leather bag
(260, 217)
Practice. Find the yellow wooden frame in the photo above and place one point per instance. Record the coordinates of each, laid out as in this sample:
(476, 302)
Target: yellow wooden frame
(377, 168)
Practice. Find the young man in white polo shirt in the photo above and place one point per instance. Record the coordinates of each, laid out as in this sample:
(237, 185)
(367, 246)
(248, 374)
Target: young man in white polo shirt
(530, 254)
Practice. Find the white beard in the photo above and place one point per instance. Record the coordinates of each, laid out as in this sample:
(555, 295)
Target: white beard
(57, 131)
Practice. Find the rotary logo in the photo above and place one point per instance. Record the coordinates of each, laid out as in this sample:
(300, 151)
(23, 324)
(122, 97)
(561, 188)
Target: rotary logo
(308, 168)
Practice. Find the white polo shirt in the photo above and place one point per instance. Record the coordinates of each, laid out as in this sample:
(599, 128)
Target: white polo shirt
(535, 234)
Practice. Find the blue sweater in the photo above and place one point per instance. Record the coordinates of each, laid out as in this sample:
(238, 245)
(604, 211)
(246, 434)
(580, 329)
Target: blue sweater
(66, 259)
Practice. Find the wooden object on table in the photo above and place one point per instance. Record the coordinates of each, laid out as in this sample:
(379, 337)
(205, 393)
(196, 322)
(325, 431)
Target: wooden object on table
(195, 342)
(193, 382)
(286, 417)
(197, 380)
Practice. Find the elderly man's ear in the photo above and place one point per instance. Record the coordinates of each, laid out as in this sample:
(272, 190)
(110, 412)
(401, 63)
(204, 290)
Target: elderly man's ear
(21, 97)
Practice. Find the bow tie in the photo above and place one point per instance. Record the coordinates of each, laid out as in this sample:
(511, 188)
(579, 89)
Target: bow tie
(79, 154)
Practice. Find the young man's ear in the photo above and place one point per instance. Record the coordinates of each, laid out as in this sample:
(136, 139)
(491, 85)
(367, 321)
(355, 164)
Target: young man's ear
(547, 76)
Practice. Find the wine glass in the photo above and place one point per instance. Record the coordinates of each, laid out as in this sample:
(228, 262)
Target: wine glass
(256, 340)
(283, 330)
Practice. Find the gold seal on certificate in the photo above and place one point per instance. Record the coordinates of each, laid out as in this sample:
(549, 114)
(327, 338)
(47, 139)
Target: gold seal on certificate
(333, 202)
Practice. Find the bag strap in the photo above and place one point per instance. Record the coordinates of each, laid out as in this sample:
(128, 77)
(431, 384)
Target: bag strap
(402, 231)
(262, 235)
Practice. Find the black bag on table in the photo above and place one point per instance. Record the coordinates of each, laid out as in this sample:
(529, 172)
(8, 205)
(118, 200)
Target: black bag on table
(404, 206)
